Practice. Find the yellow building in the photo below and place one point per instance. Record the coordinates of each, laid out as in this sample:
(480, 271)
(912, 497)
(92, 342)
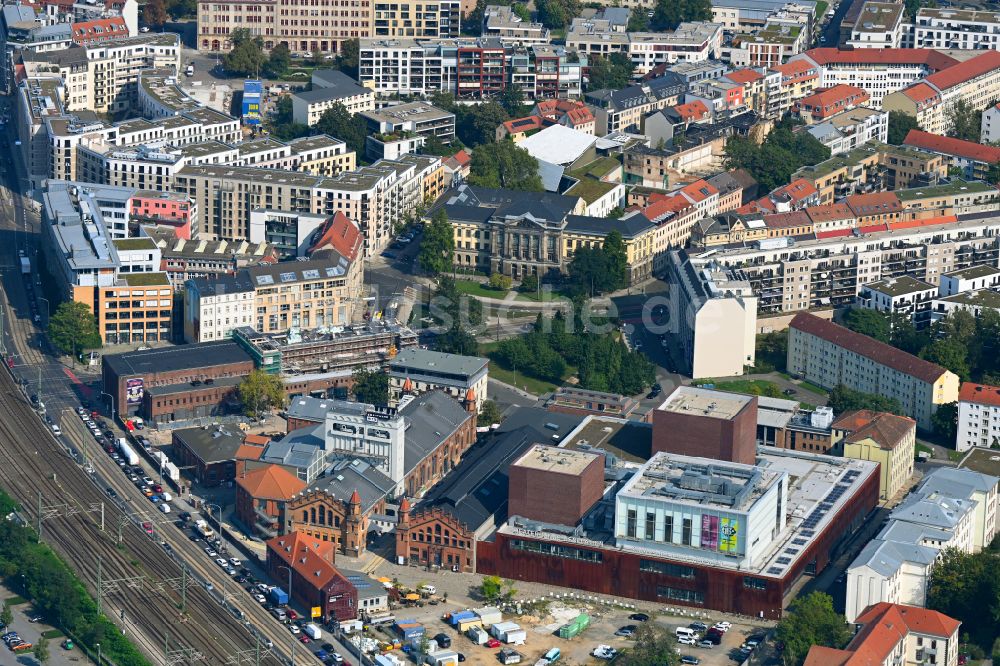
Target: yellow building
(879, 437)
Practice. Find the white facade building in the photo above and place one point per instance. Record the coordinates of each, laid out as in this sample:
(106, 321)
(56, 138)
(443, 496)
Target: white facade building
(948, 28)
(978, 416)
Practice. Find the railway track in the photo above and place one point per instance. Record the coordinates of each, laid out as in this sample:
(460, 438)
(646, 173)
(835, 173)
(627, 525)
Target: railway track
(34, 463)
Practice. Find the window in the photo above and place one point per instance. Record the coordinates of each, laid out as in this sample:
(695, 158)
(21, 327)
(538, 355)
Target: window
(569, 552)
(677, 594)
(666, 568)
(668, 528)
(686, 532)
(630, 527)
(754, 583)
(650, 525)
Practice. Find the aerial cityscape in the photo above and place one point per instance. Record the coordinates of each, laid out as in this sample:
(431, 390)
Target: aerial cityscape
(645, 332)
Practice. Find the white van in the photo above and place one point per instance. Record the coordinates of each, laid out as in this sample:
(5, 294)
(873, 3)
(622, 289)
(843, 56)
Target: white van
(165, 508)
(686, 632)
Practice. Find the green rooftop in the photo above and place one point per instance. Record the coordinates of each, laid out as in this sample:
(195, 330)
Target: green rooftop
(135, 243)
(983, 298)
(145, 279)
(599, 168)
(956, 186)
(900, 286)
(590, 189)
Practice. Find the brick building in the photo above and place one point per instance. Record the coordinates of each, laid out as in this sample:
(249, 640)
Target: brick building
(210, 453)
(175, 383)
(710, 424)
(260, 494)
(315, 579)
(332, 519)
(554, 485)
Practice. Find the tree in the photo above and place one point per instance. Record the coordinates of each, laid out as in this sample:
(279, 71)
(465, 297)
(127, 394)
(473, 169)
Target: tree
(966, 586)
(41, 650)
(638, 21)
(654, 646)
(529, 283)
(279, 61)
(6, 615)
(247, 55)
(900, 125)
(503, 165)
(868, 322)
(349, 58)
(477, 124)
(371, 386)
(350, 128)
(437, 246)
(281, 124)
(810, 620)
(495, 589)
(261, 392)
(950, 353)
(843, 399)
(154, 14)
(613, 72)
(668, 14)
(73, 328)
(964, 121)
(617, 260)
(782, 153)
(457, 340)
(181, 9)
(945, 421)
(511, 98)
(489, 414)
(500, 282)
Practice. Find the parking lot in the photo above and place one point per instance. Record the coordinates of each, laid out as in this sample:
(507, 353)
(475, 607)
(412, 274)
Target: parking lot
(30, 632)
(542, 625)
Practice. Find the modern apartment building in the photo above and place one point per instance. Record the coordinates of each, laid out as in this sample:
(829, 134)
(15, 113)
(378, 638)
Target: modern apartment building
(118, 279)
(624, 110)
(951, 28)
(852, 129)
(690, 42)
(830, 355)
(975, 81)
(414, 371)
(879, 26)
(418, 118)
(336, 88)
(904, 296)
(978, 416)
(715, 317)
(502, 22)
(417, 18)
(375, 197)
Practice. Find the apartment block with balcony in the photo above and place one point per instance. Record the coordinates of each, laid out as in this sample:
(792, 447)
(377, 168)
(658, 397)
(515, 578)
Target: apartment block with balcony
(905, 297)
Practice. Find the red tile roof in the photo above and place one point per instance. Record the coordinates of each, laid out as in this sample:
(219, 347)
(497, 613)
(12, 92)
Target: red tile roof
(874, 203)
(946, 145)
(863, 345)
(828, 101)
(271, 482)
(929, 222)
(311, 558)
(796, 70)
(921, 93)
(829, 212)
(99, 30)
(965, 71)
(798, 189)
(341, 234)
(699, 190)
(886, 430)
(695, 110)
(526, 124)
(873, 228)
(820, 655)
(980, 394)
(744, 76)
(933, 59)
(661, 208)
(836, 233)
(795, 218)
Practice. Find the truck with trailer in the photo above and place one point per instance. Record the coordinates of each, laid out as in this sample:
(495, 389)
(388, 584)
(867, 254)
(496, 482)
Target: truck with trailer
(312, 631)
(126, 452)
(202, 528)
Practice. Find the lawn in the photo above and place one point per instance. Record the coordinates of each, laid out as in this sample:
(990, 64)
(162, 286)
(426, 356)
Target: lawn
(956, 456)
(542, 296)
(747, 387)
(922, 448)
(809, 386)
(472, 288)
(821, 7)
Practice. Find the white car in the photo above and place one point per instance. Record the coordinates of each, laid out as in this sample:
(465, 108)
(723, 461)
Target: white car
(605, 652)
(687, 640)
(235, 561)
(222, 563)
(723, 626)
(294, 629)
(260, 598)
(211, 552)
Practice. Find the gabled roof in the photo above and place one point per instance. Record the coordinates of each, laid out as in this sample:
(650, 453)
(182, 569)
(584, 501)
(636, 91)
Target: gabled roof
(979, 394)
(886, 430)
(747, 75)
(309, 557)
(868, 347)
(933, 59)
(965, 71)
(691, 111)
(271, 482)
(874, 203)
(795, 218)
(946, 145)
(340, 234)
(921, 93)
(829, 212)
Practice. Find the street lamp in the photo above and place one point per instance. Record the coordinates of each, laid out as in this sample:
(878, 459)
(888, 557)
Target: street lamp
(98, 654)
(289, 570)
(47, 311)
(111, 402)
(210, 505)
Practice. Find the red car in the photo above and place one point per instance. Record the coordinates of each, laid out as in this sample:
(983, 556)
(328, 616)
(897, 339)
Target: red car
(304, 639)
(148, 527)
(493, 643)
(157, 488)
(292, 615)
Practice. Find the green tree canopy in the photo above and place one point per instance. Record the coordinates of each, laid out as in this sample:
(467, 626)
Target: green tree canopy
(281, 124)
(512, 100)
(503, 165)
(668, 14)
(247, 55)
(964, 121)
(782, 154)
(557, 14)
(489, 414)
(371, 386)
(73, 328)
(596, 270)
(457, 340)
(279, 61)
(154, 14)
(350, 128)
(437, 246)
(261, 392)
(654, 645)
(843, 399)
(810, 620)
(638, 21)
(613, 72)
(966, 586)
(900, 125)
(349, 57)
(868, 322)
(181, 9)
(41, 650)
(477, 124)
(945, 421)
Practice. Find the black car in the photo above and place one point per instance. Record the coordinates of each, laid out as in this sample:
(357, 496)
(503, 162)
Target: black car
(184, 515)
(639, 617)
(111, 492)
(194, 537)
(443, 641)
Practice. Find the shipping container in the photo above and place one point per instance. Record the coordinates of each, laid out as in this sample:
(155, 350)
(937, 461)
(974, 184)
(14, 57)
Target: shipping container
(455, 618)
(442, 658)
(509, 632)
(489, 615)
(477, 635)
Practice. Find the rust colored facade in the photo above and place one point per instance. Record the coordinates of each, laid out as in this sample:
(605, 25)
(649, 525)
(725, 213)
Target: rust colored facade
(554, 496)
(435, 538)
(622, 573)
(315, 579)
(326, 518)
(695, 434)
